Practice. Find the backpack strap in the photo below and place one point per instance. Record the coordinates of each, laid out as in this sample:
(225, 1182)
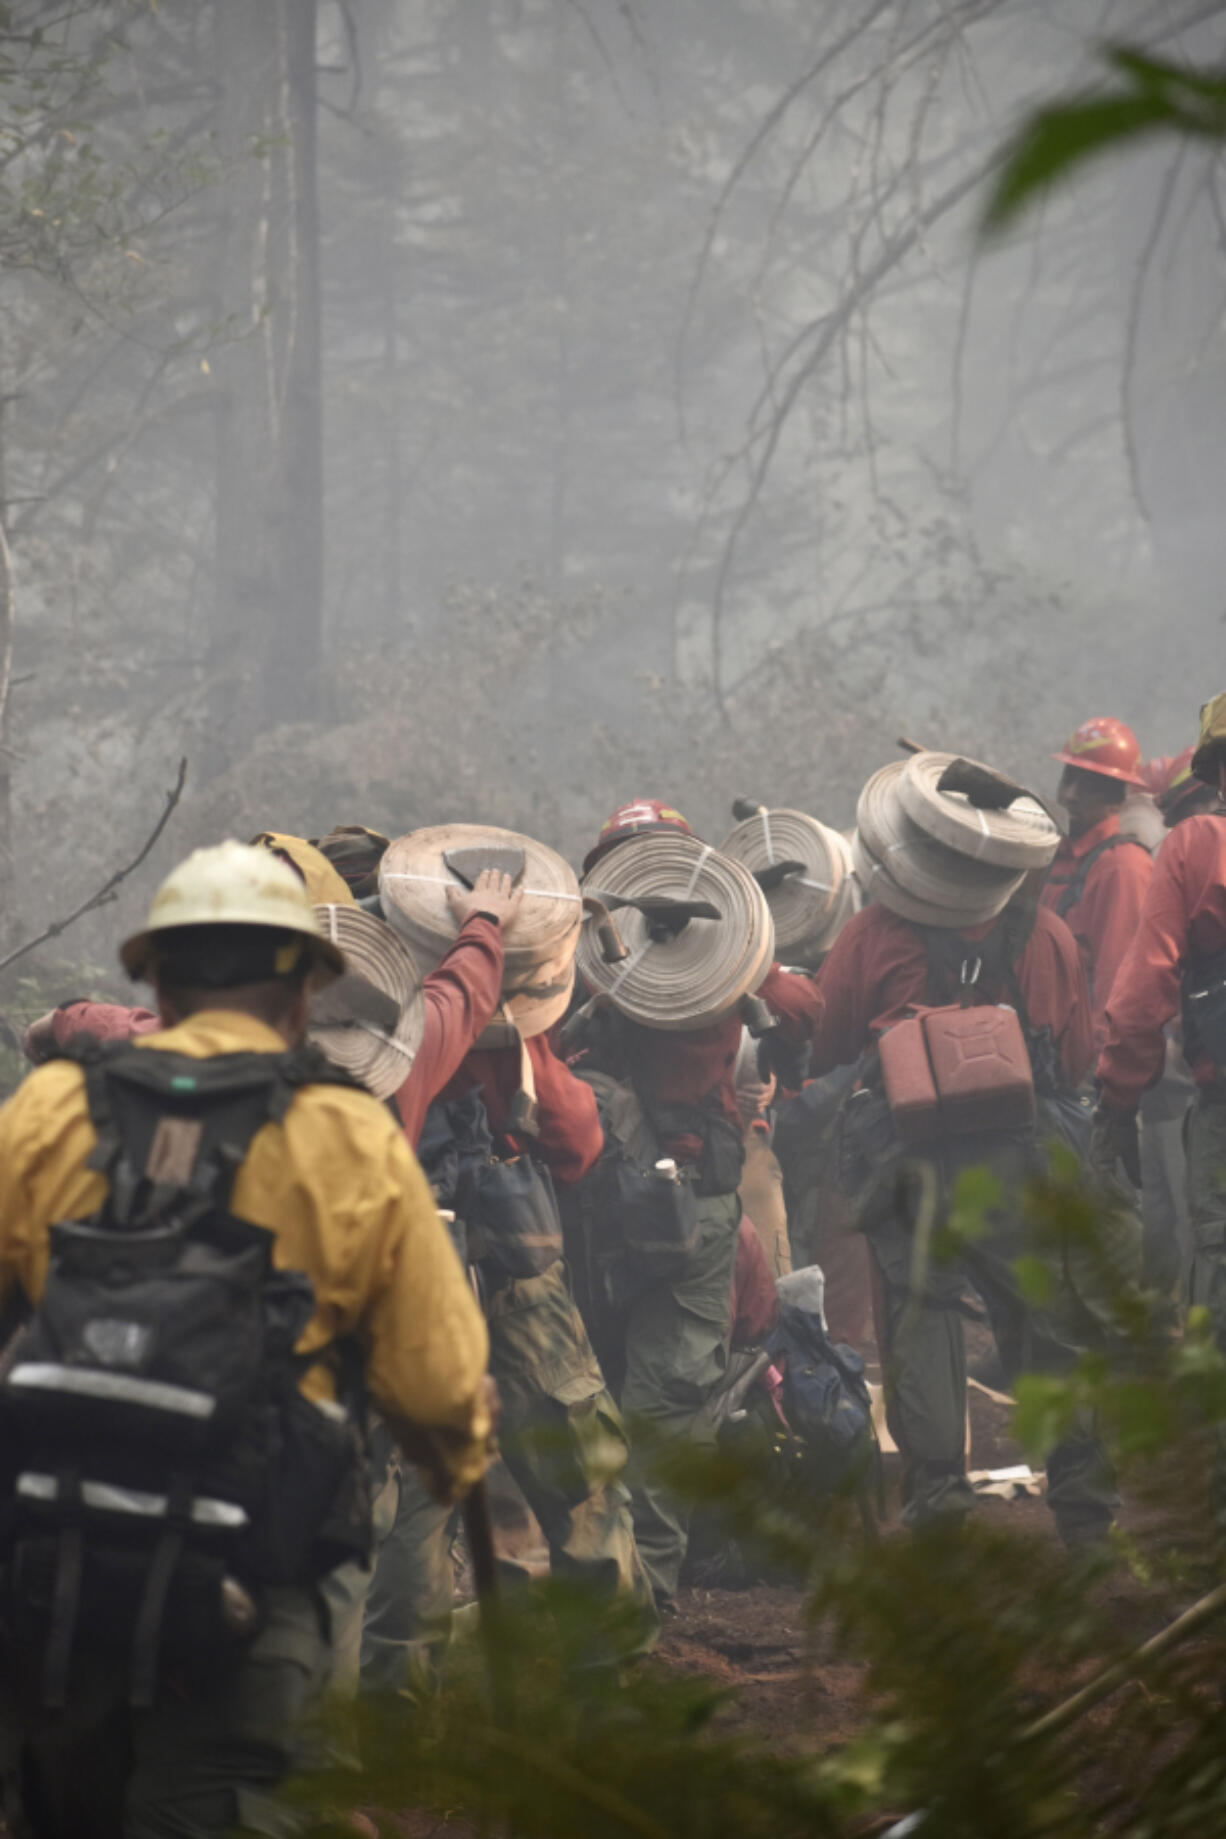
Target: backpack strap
(990, 968)
(173, 1124)
(1075, 887)
(985, 968)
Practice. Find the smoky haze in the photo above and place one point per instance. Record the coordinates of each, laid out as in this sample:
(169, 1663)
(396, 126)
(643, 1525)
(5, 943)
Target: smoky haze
(415, 410)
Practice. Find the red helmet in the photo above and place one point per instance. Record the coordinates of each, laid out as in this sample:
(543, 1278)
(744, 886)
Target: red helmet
(637, 818)
(1180, 783)
(1107, 746)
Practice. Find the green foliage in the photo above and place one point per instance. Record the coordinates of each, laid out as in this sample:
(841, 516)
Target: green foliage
(585, 1753)
(967, 1643)
(1057, 141)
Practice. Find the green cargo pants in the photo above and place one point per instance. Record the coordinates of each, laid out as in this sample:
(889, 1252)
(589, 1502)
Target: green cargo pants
(1164, 1185)
(408, 1607)
(562, 1436)
(1206, 1147)
(676, 1354)
(924, 1359)
(203, 1761)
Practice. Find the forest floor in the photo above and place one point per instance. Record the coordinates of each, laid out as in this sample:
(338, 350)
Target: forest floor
(785, 1680)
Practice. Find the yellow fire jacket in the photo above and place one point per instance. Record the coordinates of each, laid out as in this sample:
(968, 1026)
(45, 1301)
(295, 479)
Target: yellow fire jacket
(348, 1204)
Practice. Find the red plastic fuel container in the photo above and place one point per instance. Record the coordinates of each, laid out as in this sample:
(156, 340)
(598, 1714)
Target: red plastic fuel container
(957, 1070)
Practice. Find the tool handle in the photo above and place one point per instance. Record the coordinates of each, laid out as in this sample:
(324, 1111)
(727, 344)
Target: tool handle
(479, 1532)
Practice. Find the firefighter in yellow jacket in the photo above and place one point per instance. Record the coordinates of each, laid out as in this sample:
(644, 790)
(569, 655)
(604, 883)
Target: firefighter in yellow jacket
(233, 951)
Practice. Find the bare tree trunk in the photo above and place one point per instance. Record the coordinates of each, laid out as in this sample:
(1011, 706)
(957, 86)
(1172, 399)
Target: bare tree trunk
(293, 681)
(265, 641)
(8, 877)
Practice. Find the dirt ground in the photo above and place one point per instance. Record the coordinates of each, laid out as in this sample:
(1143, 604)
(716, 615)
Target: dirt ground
(789, 1684)
(785, 1680)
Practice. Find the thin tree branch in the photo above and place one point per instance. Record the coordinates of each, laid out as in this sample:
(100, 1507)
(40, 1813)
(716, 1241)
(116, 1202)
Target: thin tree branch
(832, 324)
(107, 892)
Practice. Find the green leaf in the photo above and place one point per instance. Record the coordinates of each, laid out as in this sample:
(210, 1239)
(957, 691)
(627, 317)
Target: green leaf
(1056, 141)
(1034, 1280)
(1046, 1412)
(1059, 139)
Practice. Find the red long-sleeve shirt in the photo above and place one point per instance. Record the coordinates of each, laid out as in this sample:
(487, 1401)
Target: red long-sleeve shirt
(569, 1139)
(685, 1069)
(1183, 919)
(461, 997)
(1104, 918)
(877, 971)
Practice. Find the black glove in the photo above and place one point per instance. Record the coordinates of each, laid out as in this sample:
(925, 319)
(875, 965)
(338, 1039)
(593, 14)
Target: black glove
(1113, 1138)
(786, 1061)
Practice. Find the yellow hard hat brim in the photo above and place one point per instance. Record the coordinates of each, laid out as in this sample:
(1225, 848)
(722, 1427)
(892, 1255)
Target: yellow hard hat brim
(138, 955)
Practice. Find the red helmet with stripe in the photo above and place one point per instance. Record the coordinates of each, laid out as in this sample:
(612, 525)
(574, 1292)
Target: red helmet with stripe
(1107, 746)
(637, 818)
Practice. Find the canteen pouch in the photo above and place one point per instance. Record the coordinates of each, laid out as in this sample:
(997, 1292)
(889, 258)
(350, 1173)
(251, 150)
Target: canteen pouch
(1204, 1011)
(511, 1213)
(866, 1139)
(659, 1221)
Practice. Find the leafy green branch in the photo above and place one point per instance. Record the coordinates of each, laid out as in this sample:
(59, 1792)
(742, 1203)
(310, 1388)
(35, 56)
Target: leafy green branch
(1151, 97)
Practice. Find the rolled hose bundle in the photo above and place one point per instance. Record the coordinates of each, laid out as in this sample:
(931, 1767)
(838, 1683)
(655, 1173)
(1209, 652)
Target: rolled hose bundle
(806, 907)
(914, 876)
(848, 901)
(687, 982)
(371, 1021)
(1020, 836)
(539, 967)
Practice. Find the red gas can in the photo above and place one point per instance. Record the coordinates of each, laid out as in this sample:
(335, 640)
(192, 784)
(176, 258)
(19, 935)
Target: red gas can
(952, 1071)
(981, 1068)
(910, 1089)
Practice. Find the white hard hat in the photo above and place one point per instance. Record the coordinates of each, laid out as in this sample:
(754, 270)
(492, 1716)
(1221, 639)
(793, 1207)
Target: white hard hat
(231, 884)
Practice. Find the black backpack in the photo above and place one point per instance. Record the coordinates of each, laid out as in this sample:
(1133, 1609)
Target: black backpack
(506, 1211)
(160, 1463)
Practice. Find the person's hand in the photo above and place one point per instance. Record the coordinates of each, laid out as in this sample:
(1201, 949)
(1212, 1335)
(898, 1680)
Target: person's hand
(1114, 1138)
(492, 892)
(753, 1097)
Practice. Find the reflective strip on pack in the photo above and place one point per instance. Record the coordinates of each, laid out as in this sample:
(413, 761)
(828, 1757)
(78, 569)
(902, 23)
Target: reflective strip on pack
(107, 1497)
(115, 1388)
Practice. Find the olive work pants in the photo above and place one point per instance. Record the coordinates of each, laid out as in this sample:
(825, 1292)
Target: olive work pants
(408, 1607)
(1206, 1150)
(924, 1358)
(1167, 1241)
(205, 1759)
(563, 1439)
(1206, 1153)
(676, 1355)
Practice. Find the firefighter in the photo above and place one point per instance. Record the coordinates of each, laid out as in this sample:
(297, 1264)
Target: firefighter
(562, 1436)
(232, 949)
(880, 968)
(1098, 879)
(1179, 794)
(408, 1600)
(676, 1336)
(1179, 951)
